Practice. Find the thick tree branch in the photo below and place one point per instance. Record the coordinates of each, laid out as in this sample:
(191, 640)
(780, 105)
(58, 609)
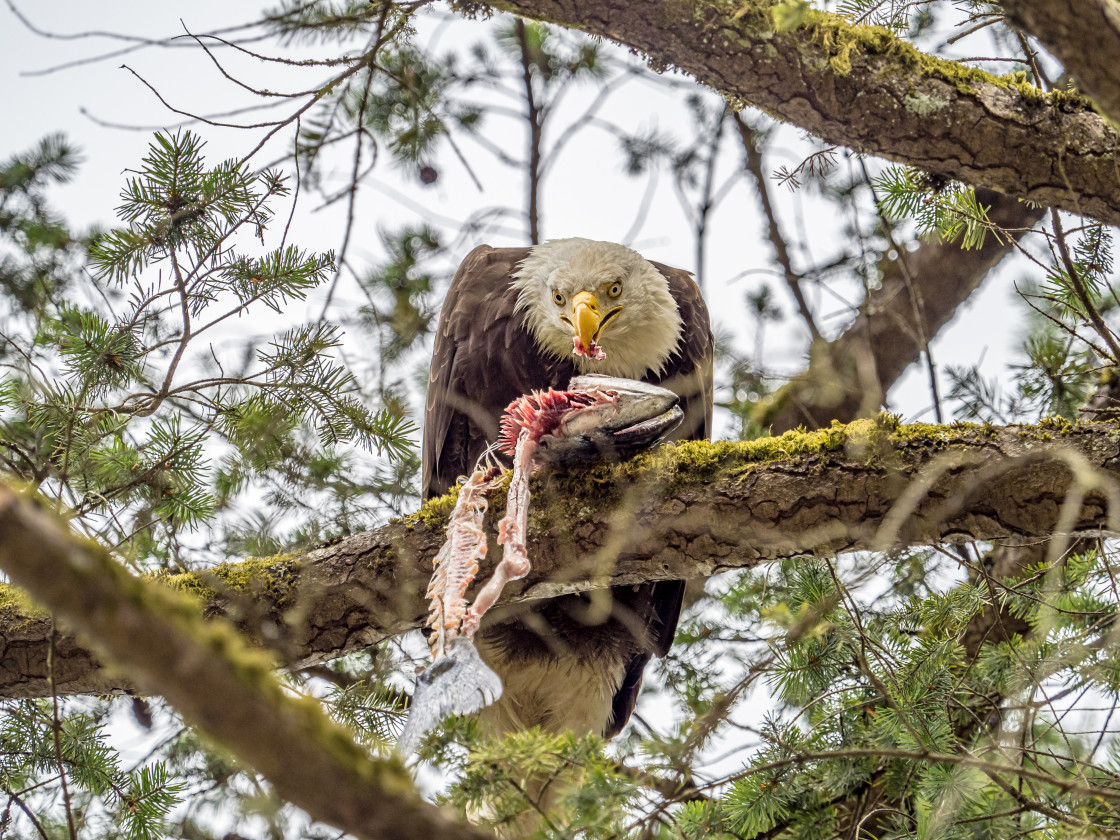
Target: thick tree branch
(860, 87)
(1083, 35)
(849, 377)
(207, 672)
(679, 512)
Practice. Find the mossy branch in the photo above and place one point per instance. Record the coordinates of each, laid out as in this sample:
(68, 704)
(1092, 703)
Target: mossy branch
(682, 511)
(1082, 35)
(861, 87)
(215, 679)
(848, 377)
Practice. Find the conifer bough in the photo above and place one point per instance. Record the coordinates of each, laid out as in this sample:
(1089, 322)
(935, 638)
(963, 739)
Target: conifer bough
(215, 681)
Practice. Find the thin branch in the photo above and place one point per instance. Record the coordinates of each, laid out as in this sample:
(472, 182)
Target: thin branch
(56, 729)
(916, 301)
(792, 278)
(351, 190)
(706, 204)
(534, 117)
(28, 813)
(1080, 291)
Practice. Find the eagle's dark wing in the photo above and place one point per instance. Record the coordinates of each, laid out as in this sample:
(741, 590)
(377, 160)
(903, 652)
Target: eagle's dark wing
(483, 359)
(689, 374)
(689, 370)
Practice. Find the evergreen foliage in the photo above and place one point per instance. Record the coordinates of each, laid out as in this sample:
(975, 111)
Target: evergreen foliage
(949, 210)
(106, 799)
(124, 431)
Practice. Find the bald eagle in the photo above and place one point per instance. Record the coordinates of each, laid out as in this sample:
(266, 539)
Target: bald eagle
(526, 319)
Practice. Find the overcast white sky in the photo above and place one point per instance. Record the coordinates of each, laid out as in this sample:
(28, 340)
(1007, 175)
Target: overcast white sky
(585, 196)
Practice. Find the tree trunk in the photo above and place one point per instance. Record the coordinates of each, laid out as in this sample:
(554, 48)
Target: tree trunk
(849, 377)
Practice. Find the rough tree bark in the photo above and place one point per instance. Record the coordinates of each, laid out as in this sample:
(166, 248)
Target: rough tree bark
(1083, 35)
(216, 682)
(678, 512)
(860, 87)
(849, 377)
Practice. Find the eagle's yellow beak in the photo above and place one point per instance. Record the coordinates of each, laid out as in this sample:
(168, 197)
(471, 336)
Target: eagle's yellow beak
(585, 317)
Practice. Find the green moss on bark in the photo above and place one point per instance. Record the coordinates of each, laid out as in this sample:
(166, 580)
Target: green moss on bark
(821, 37)
(275, 577)
(17, 610)
(871, 442)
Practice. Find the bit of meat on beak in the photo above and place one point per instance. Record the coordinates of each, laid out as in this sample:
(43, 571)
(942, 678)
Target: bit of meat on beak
(587, 320)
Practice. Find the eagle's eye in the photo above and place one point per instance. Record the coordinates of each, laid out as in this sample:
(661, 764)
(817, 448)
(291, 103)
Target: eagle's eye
(559, 298)
(616, 289)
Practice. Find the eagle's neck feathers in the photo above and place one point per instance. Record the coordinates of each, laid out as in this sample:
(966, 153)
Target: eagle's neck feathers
(638, 342)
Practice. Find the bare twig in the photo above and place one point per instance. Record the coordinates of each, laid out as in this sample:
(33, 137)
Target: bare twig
(56, 729)
(1078, 284)
(534, 117)
(792, 278)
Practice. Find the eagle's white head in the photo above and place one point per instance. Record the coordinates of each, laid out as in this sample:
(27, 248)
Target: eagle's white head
(578, 296)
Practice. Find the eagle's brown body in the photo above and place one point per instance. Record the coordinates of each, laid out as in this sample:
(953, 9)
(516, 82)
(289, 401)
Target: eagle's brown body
(565, 662)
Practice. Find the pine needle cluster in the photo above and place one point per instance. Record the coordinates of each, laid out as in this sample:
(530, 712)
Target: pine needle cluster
(120, 395)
